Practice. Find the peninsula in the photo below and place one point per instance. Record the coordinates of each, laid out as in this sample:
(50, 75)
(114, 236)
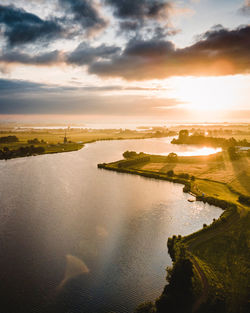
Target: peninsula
(210, 267)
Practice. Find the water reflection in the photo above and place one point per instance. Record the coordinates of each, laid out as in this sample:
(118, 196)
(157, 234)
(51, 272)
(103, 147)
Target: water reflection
(201, 151)
(163, 146)
(60, 216)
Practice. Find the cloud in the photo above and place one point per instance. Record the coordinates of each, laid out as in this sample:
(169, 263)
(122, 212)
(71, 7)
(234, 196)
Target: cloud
(47, 58)
(140, 9)
(245, 9)
(21, 27)
(85, 13)
(9, 86)
(84, 54)
(145, 17)
(23, 97)
(218, 52)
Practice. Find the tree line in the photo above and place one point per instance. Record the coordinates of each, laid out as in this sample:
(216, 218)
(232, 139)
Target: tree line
(6, 153)
(9, 139)
(199, 139)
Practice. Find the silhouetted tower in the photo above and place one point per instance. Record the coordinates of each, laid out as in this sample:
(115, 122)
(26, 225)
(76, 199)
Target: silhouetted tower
(65, 140)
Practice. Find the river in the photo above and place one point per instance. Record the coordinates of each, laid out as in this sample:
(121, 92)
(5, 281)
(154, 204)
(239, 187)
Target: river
(75, 238)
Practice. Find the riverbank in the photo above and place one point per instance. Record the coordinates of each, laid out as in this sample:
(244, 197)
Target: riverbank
(218, 252)
(34, 142)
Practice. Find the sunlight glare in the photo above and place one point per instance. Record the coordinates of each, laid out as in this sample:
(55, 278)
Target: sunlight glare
(207, 93)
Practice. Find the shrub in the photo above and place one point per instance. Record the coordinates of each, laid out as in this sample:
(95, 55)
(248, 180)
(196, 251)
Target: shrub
(172, 157)
(129, 154)
(184, 175)
(170, 173)
(8, 139)
(147, 307)
(244, 200)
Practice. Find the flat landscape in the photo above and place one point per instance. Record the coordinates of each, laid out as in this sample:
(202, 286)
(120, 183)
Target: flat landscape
(219, 252)
(65, 140)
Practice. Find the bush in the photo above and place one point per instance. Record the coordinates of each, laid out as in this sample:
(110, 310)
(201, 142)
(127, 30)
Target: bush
(129, 154)
(8, 139)
(147, 307)
(184, 175)
(33, 141)
(170, 173)
(172, 157)
(20, 152)
(244, 200)
(232, 153)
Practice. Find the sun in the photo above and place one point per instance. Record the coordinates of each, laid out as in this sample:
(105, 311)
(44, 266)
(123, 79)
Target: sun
(206, 93)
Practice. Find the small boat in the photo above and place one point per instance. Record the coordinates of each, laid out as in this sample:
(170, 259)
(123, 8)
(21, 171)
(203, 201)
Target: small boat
(191, 200)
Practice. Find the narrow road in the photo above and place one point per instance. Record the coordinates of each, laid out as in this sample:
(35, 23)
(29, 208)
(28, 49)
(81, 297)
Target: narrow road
(196, 241)
(204, 281)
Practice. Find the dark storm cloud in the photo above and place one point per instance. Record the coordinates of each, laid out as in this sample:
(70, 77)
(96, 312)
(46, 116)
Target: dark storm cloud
(140, 9)
(48, 58)
(218, 52)
(85, 13)
(85, 54)
(21, 27)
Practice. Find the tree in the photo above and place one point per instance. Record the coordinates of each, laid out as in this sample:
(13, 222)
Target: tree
(170, 173)
(129, 154)
(233, 155)
(172, 157)
(183, 134)
(232, 142)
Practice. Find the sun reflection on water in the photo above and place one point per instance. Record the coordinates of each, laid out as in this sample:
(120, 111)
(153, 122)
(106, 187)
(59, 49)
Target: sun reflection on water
(200, 151)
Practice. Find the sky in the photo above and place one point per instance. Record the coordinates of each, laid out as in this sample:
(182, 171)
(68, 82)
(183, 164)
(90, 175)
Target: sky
(121, 61)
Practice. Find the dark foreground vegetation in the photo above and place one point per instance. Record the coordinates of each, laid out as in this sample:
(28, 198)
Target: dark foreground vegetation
(210, 272)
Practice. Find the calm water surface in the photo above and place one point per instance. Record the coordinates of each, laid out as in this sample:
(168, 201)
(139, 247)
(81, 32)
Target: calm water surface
(78, 239)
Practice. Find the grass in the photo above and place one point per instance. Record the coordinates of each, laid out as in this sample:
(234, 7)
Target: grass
(76, 138)
(216, 175)
(226, 255)
(221, 249)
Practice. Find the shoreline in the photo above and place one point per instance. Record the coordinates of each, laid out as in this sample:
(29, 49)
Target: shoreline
(223, 204)
(79, 144)
(210, 282)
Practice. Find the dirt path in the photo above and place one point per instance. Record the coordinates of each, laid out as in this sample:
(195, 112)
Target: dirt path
(204, 281)
(196, 241)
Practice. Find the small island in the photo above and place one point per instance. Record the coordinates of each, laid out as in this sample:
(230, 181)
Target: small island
(210, 271)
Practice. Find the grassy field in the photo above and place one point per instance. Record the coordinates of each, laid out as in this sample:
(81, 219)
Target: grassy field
(54, 138)
(220, 252)
(216, 175)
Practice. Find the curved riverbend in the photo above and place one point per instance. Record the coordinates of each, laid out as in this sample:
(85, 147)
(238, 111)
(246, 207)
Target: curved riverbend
(95, 238)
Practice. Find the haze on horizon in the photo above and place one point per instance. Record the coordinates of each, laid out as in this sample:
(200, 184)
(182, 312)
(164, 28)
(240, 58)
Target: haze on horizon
(125, 61)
